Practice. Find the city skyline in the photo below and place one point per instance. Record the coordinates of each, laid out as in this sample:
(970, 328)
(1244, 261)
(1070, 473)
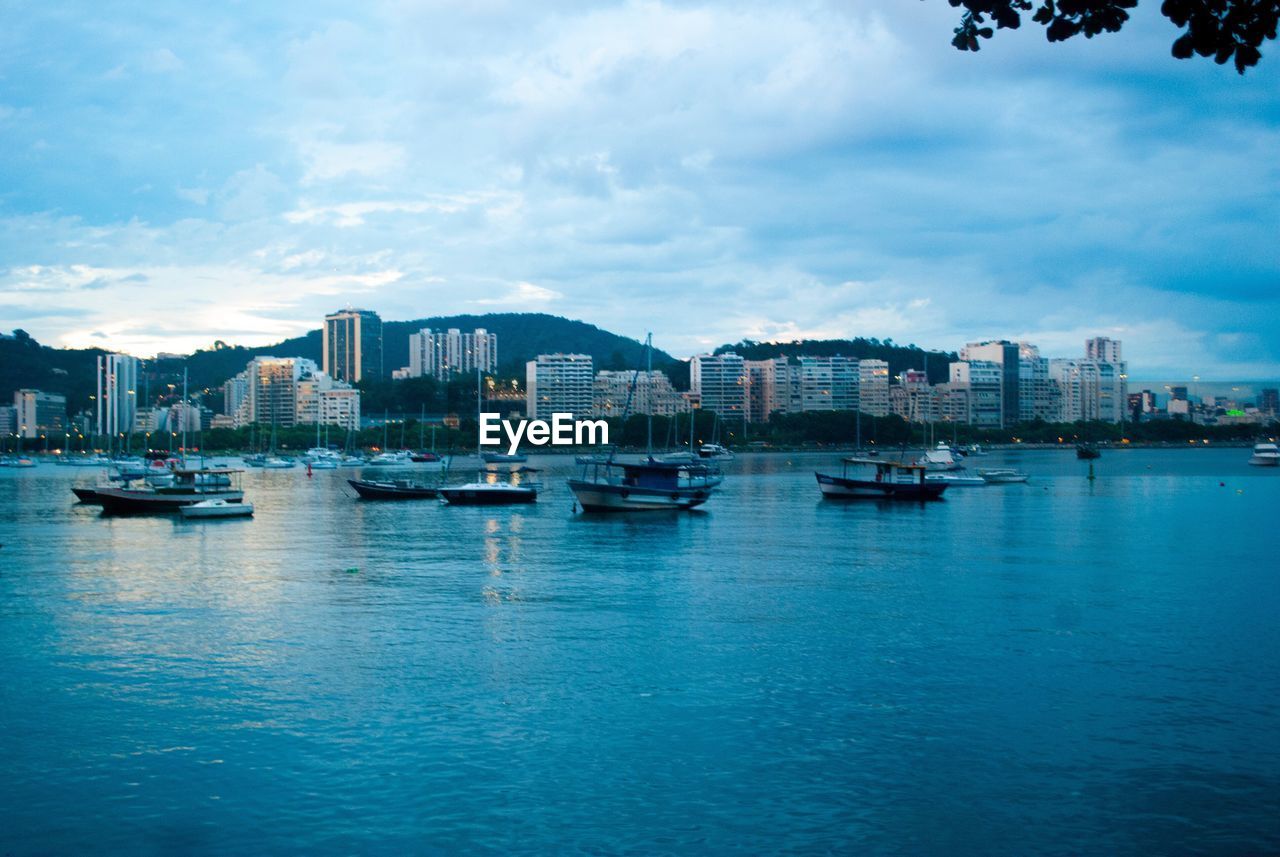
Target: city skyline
(713, 172)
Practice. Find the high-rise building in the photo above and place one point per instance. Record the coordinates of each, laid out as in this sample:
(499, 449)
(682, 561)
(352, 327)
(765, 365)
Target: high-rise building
(39, 413)
(914, 399)
(559, 384)
(1039, 397)
(271, 390)
(1102, 348)
(653, 394)
(720, 381)
(117, 400)
(873, 387)
(1007, 356)
(983, 382)
(327, 402)
(441, 353)
(352, 345)
(1091, 389)
(8, 421)
(1269, 401)
(829, 383)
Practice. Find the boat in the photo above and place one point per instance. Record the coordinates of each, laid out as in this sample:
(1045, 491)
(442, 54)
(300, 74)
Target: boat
(88, 496)
(955, 480)
(424, 457)
(189, 487)
(22, 461)
(713, 450)
(207, 509)
(323, 464)
(503, 457)
(1087, 452)
(869, 478)
(388, 459)
(487, 490)
(974, 449)
(941, 458)
(1002, 475)
(278, 463)
(1265, 455)
(395, 489)
(648, 485)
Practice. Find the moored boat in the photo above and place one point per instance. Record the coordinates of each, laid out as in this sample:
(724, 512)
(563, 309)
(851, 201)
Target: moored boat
(871, 479)
(489, 494)
(189, 487)
(648, 485)
(941, 458)
(1002, 475)
(207, 509)
(503, 457)
(955, 480)
(1265, 455)
(393, 489)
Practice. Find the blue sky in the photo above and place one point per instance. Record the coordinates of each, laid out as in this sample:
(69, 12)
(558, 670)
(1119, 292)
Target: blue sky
(178, 173)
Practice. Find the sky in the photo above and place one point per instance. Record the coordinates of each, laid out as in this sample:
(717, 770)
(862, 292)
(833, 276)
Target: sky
(175, 174)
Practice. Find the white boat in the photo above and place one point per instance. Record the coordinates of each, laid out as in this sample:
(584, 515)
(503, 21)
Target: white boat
(217, 509)
(278, 463)
(940, 458)
(713, 450)
(1265, 455)
(1002, 475)
(323, 464)
(955, 480)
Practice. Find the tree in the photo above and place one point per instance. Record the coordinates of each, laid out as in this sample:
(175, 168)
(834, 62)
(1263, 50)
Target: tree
(1222, 29)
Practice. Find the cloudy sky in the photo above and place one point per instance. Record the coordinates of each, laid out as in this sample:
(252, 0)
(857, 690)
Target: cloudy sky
(174, 174)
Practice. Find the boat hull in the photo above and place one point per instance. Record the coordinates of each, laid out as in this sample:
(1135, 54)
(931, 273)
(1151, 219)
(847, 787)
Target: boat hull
(122, 501)
(87, 495)
(488, 497)
(839, 488)
(596, 497)
(211, 513)
(1265, 461)
(383, 491)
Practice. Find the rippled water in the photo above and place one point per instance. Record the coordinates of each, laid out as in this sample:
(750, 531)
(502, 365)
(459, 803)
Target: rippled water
(1052, 668)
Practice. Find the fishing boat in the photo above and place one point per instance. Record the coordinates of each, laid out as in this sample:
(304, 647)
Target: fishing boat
(208, 509)
(955, 480)
(88, 496)
(394, 489)
(189, 487)
(648, 485)
(1002, 475)
(872, 479)
(1265, 455)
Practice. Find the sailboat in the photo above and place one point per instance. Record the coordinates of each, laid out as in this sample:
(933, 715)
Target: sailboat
(487, 491)
(653, 484)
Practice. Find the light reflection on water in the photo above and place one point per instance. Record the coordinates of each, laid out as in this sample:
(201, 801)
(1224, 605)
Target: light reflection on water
(1056, 667)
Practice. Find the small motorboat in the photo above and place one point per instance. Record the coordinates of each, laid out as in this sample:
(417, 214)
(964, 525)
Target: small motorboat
(489, 494)
(1265, 455)
(955, 480)
(1087, 452)
(393, 489)
(1002, 476)
(503, 457)
(278, 463)
(206, 509)
(714, 450)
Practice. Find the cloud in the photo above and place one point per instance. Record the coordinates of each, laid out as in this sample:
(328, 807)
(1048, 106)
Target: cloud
(708, 171)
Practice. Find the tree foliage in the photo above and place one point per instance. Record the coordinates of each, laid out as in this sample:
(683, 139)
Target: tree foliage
(1227, 30)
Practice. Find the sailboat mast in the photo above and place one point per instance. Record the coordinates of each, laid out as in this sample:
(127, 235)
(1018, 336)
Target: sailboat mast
(648, 357)
(184, 417)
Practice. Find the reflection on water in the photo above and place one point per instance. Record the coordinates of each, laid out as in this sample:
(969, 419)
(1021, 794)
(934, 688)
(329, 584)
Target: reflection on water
(1061, 666)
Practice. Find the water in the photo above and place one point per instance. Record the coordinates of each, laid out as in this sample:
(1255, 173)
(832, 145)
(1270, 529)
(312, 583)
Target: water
(1052, 668)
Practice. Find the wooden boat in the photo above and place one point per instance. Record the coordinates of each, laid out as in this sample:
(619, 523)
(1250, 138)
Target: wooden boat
(210, 509)
(393, 489)
(189, 487)
(649, 485)
(870, 479)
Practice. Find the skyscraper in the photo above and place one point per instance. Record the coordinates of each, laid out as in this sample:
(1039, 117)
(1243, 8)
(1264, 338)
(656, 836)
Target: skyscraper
(873, 387)
(38, 412)
(440, 353)
(352, 346)
(1005, 355)
(117, 399)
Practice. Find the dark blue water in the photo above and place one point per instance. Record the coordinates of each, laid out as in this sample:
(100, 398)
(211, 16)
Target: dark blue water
(1053, 668)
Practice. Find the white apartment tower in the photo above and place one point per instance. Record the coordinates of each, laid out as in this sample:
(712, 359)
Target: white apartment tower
(559, 384)
(720, 381)
(873, 387)
(116, 402)
(441, 353)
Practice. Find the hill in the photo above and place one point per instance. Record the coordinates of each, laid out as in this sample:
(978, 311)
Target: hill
(899, 357)
(25, 363)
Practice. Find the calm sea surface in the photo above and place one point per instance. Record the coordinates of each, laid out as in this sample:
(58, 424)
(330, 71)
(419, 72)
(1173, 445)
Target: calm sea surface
(1053, 668)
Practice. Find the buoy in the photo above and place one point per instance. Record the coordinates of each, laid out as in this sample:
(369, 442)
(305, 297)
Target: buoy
(353, 570)
(1222, 485)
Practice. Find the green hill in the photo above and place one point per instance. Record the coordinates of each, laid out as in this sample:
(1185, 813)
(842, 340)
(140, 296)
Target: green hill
(899, 357)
